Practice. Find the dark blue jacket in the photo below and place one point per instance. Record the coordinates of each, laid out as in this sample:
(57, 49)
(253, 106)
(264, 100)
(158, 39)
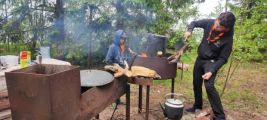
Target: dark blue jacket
(114, 52)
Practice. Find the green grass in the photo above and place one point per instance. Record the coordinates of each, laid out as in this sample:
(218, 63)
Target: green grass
(243, 101)
(241, 93)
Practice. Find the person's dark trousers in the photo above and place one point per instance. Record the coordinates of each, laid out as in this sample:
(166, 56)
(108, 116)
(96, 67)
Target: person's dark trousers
(199, 69)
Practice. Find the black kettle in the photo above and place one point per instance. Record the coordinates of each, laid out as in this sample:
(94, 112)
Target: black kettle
(173, 107)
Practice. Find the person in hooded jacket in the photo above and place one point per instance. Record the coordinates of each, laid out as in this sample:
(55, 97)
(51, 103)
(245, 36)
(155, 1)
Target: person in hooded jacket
(117, 52)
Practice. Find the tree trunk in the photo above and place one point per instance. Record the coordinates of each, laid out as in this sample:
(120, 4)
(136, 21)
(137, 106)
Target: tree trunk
(7, 36)
(60, 19)
(120, 10)
(59, 14)
(33, 23)
(250, 5)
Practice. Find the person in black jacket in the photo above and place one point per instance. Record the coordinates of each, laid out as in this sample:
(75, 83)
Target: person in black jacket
(213, 52)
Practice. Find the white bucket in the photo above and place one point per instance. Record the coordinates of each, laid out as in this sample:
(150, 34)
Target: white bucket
(45, 51)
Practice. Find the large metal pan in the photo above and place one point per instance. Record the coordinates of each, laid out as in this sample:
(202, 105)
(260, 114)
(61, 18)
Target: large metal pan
(90, 78)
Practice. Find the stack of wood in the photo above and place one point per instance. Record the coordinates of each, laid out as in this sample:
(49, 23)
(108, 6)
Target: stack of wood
(182, 66)
(204, 114)
(175, 58)
(134, 72)
(5, 112)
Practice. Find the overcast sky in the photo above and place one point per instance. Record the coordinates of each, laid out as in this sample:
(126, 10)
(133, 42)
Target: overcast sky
(208, 6)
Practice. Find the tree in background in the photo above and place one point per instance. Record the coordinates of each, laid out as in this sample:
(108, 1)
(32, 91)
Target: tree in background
(78, 30)
(59, 28)
(25, 24)
(250, 40)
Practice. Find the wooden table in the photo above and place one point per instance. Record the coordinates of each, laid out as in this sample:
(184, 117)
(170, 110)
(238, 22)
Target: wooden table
(142, 81)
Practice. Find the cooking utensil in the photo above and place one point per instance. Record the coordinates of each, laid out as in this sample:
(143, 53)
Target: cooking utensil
(90, 78)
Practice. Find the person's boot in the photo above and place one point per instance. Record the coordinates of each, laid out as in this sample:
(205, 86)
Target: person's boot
(192, 109)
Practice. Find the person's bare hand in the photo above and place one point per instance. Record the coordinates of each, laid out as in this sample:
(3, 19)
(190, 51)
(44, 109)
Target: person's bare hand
(207, 76)
(187, 35)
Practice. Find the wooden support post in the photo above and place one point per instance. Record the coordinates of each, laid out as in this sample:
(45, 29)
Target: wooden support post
(97, 116)
(140, 99)
(128, 102)
(172, 89)
(147, 101)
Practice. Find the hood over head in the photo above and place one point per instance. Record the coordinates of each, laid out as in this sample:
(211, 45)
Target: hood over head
(118, 35)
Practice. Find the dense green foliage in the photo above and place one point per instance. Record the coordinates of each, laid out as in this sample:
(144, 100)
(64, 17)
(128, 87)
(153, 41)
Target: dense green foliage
(80, 32)
(88, 25)
(250, 31)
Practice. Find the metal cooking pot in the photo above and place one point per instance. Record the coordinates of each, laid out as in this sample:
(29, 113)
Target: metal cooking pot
(173, 107)
(90, 78)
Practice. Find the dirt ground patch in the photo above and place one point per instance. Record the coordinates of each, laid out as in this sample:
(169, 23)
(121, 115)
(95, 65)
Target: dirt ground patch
(249, 82)
(157, 95)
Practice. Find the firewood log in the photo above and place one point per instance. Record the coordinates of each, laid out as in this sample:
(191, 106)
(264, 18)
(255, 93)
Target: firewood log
(182, 66)
(134, 72)
(176, 57)
(143, 71)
